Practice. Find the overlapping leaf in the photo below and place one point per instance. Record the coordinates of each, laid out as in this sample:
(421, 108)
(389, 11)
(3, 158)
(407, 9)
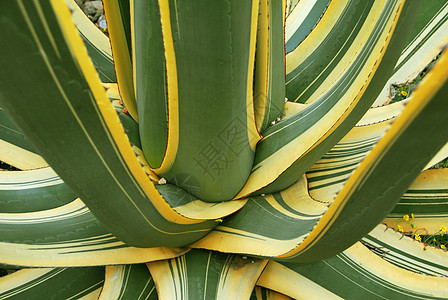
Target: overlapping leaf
(427, 201)
(60, 283)
(201, 274)
(352, 181)
(355, 273)
(89, 149)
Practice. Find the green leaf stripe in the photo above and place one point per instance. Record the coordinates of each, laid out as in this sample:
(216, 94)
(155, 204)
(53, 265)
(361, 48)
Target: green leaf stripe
(128, 282)
(375, 173)
(281, 279)
(280, 222)
(363, 98)
(78, 122)
(125, 8)
(326, 181)
(302, 20)
(436, 28)
(330, 173)
(426, 44)
(131, 127)
(406, 252)
(282, 156)
(66, 236)
(59, 283)
(269, 75)
(261, 293)
(10, 133)
(27, 191)
(118, 24)
(222, 153)
(296, 218)
(427, 196)
(358, 273)
(201, 274)
(291, 5)
(426, 201)
(97, 43)
(151, 81)
(307, 77)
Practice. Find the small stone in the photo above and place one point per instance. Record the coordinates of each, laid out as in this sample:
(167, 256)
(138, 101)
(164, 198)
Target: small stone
(102, 24)
(98, 5)
(93, 10)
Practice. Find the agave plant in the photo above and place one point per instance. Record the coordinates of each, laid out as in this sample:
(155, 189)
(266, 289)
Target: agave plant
(222, 149)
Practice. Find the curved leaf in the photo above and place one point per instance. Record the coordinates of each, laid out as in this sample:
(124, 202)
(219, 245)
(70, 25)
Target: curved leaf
(15, 148)
(109, 178)
(302, 20)
(27, 191)
(406, 252)
(10, 133)
(284, 280)
(357, 196)
(328, 52)
(429, 35)
(358, 273)
(203, 274)
(261, 293)
(59, 283)
(67, 236)
(151, 81)
(128, 282)
(417, 128)
(268, 226)
(286, 218)
(118, 24)
(97, 43)
(211, 127)
(427, 201)
(293, 145)
(269, 77)
(440, 156)
(20, 158)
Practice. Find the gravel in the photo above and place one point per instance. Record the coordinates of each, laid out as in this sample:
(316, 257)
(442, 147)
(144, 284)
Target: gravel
(95, 12)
